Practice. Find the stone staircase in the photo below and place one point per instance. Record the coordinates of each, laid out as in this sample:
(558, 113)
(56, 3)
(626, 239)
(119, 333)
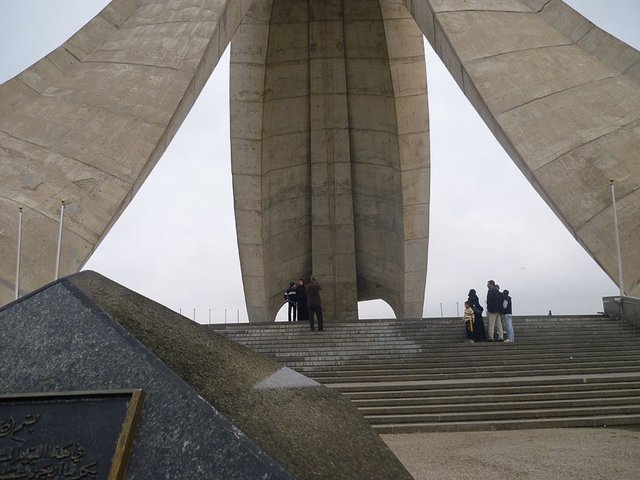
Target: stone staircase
(420, 375)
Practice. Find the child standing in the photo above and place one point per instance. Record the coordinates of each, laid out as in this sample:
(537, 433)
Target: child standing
(469, 319)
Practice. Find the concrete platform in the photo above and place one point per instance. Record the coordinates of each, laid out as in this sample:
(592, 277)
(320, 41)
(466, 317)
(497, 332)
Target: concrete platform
(567, 453)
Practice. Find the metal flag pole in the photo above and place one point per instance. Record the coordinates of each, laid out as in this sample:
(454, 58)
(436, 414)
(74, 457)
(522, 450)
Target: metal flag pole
(59, 240)
(615, 226)
(18, 254)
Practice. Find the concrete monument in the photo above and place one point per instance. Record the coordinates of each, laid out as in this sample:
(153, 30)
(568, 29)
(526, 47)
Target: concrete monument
(329, 131)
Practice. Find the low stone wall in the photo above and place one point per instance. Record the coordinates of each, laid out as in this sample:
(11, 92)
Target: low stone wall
(622, 308)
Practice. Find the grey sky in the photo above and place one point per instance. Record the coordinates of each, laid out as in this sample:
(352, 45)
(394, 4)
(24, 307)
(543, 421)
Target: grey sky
(176, 242)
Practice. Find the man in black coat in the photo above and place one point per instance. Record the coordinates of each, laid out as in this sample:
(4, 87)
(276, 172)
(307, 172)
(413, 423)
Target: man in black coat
(314, 304)
(494, 310)
(301, 298)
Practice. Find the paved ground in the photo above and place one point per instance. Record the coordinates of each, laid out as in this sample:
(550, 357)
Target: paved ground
(545, 454)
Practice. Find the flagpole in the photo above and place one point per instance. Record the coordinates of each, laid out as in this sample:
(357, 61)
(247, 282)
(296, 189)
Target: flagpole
(18, 252)
(59, 240)
(615, 226)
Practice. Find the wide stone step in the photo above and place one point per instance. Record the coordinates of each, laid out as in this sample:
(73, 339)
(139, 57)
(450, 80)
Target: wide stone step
(322, 339)
(426, 325)
(348, 369)
(342, 346)
(443, 342)
(528, 382)
(556, 321)
(458, 333)
(495, 373)
(309, 366)
(409, 401)
(432, 352)
(450, 350)
(521, 424)
(411, 397)
(414, 353)
(495, 415)
(475, 367)
(501, 404)
(509, 363)
(349, 351)
(306, 363)
(578, 327)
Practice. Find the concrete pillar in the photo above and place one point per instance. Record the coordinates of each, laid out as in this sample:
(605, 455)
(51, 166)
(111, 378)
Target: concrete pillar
(332, 231)
(330, 121)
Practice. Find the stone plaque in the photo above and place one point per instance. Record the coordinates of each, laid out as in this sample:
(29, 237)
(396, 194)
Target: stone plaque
(67, 436)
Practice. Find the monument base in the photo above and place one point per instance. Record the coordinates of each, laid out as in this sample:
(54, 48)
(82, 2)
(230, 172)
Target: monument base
(212, 408)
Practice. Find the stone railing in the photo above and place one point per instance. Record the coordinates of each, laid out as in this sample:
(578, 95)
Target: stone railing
(623, 308)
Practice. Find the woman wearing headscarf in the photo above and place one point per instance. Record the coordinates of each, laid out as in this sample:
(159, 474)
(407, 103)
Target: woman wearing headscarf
(479, 333)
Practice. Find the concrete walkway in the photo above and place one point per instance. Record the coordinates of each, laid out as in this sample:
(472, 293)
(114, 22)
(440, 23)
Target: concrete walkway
(545, 454)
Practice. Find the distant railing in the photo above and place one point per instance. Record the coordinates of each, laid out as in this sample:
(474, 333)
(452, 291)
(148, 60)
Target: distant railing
(228, 316)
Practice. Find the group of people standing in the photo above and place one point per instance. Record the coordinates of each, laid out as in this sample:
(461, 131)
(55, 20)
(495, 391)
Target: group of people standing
(304, 301)
(499, 316)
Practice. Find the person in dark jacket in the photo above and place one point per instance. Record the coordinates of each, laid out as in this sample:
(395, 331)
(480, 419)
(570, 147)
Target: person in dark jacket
(314, 304)
(290, 297)
(506, 313)
(301, 298)
(479, 332)
(504, 330)
(494, 311)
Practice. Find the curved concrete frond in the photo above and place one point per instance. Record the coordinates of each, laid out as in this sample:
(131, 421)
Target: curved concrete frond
(87, 123)
(563, 99)
(330, 157)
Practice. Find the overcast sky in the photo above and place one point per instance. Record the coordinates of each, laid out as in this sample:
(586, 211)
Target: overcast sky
(176, 242)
